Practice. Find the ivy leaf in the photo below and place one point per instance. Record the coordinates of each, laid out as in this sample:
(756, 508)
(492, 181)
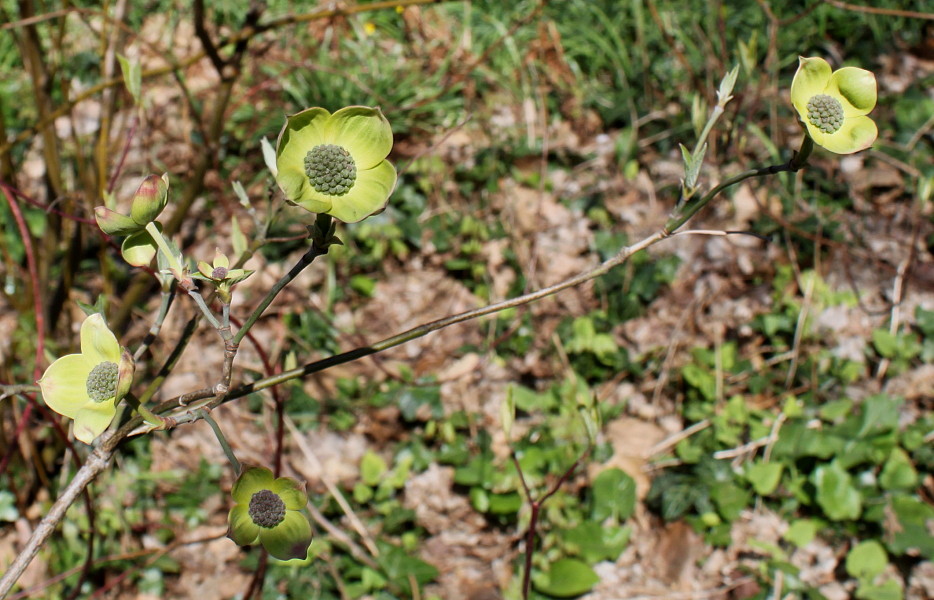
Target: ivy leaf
(885, 342)
(836, 494)
(567, 577)
(898, 472)
(801, 532)
(908, 530)
(764, 477)
(614, 495)
(372, 468)
(866, 560)
(594, 542)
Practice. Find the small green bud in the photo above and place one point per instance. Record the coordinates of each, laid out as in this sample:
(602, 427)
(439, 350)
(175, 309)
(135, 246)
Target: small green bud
(150, 199)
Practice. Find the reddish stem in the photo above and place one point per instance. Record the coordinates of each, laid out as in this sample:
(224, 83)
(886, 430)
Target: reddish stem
(33, 276)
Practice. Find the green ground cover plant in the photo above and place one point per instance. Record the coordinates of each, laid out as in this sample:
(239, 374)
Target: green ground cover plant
(466, 299)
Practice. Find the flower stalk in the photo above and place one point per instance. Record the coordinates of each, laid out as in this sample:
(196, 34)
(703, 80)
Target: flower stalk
(221, 438)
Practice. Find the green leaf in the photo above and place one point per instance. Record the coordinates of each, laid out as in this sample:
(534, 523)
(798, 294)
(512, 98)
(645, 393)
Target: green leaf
(924, 319)
(372, 468)
(910, 532)
(591, 419)
(594, 542)
(411, 401)
(479, 499)
(583, 334)
(730, 500)
(724, 93)
(363, 285)
(372, 580)
(898, 472)
(99, 306)
(362, 493)
(567, 577)
(614, 495)
(702, 379)
(802, 532)
(689, 451)
(796, 440)
(692, 165)
(866, 560)
(139, 249)
(399, 566)
(132, 76)
(764, 477)
(241, 194)
(836, 409)
(507, 412)
(269, 156)
(529, 400)
(836, 494)
(886, 343)
(505, 504)
(400, 472)
(879, 415)
(887, 590)
(237, 239)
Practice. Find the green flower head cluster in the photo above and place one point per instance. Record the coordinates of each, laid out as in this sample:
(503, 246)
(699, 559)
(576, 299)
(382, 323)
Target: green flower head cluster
(267, 511)
(87, 386)
(833, 105)
(335, 164)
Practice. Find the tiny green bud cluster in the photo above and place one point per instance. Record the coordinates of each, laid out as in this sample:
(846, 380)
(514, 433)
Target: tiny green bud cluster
(266, 509)
(825, 112)
(102, 381)
(330, 169)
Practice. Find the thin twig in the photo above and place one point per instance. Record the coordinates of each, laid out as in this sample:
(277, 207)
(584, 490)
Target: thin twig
(672, 440)
(316, 465)
(892, 12)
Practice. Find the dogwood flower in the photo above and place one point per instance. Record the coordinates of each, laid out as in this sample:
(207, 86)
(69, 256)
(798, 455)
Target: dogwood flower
(336, 164)
(833, 105)
(267, 511)
(87, 386)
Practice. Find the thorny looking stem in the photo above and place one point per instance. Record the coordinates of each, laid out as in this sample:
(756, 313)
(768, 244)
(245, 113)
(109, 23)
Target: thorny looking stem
(100, 457)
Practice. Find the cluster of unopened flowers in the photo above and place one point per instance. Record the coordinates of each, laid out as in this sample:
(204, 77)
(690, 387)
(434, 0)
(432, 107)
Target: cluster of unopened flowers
(335, 164)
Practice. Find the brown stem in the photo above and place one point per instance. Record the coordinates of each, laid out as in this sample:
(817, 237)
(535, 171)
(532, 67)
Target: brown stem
(205, 38)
